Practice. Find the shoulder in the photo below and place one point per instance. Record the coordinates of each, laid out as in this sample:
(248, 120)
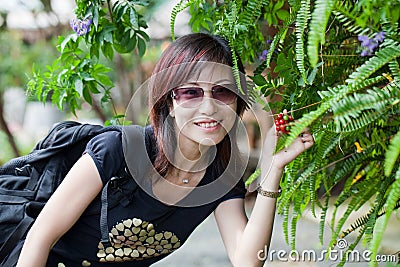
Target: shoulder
(107, 143)
(106, 152)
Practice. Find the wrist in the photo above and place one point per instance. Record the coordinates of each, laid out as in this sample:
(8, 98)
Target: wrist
(268, 193)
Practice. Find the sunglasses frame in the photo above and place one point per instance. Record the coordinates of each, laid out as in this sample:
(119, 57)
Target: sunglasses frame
(220, 102)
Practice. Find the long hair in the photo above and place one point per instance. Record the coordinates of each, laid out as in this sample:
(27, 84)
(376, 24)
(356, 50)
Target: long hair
(173, 67)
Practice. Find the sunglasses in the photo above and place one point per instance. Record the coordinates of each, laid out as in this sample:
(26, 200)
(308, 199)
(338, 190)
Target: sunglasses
(192, 96)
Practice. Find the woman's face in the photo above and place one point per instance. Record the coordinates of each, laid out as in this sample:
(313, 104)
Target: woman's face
(204, 109)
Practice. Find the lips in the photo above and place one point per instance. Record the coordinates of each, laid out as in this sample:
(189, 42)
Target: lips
(207, 124)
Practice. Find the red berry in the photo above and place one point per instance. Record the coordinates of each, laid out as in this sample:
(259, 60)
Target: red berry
(280, 116)
(290, 118)
(281, 122)
(276, 122)
(283, 128)
(278, 128)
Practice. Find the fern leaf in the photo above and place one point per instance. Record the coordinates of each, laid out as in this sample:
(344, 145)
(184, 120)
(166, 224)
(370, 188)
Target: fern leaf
(392, 199)
(174, 13)
(291, 191)
(285, 223)
(348, 19)
(395, 69)
(362, 221)
(301, 24)
(275, 42)
(381, 58)
(319, 21)
(250, 14)
(323, 219)
(392, 154)
(356, 201)
(305, 121)
(348, 124)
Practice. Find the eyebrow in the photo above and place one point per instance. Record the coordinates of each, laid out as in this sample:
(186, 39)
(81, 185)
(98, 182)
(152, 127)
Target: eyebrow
(224, 81)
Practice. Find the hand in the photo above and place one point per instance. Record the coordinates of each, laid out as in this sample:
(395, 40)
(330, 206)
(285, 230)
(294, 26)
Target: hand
(299, 145)
(303, 142)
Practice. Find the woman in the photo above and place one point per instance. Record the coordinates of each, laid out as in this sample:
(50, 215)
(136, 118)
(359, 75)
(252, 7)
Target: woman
(195, 109)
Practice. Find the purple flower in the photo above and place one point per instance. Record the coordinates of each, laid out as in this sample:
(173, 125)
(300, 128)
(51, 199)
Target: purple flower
(379, 37)
(81, 27)
(369, 45)
(263, 55)
(364, 40)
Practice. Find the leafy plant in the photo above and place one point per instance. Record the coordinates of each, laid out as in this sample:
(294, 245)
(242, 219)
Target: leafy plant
(317, 63)
(102, 28)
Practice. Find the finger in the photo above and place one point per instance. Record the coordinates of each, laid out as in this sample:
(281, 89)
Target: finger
(308, 141)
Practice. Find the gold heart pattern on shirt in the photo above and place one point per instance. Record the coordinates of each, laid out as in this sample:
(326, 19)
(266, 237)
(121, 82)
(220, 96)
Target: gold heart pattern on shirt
(134, 239)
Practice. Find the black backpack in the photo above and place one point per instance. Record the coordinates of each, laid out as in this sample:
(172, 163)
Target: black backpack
(27, 182)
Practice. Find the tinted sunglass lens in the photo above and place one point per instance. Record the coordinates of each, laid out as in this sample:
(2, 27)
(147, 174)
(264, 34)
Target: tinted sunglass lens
(188, 96)
(223, 94)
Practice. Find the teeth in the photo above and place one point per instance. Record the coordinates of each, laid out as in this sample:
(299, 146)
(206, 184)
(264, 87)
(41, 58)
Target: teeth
(207, 124)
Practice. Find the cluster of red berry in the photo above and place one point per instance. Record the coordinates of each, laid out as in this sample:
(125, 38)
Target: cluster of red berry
(282, 122)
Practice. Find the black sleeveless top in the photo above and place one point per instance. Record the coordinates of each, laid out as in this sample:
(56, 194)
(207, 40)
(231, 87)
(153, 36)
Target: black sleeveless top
(142, 232)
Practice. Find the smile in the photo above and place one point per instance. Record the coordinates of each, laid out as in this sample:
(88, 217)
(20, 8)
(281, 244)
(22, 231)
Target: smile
(207, 124)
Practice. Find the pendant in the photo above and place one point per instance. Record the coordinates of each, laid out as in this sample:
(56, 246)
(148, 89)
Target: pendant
(185, 181)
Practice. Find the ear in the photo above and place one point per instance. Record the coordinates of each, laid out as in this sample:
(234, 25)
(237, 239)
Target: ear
(172, 112)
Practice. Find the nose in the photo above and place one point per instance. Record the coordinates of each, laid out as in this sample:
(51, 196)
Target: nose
(208, 105)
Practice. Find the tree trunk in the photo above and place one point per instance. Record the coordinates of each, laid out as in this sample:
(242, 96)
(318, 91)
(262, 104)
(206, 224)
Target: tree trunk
(4, 128)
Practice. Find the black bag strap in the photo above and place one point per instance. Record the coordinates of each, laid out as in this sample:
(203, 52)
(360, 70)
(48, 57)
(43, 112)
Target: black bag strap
(15, 236)
(105, 239)
(117, 182)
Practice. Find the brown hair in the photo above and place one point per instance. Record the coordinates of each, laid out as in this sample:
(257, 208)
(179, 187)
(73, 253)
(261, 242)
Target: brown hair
(176, 64)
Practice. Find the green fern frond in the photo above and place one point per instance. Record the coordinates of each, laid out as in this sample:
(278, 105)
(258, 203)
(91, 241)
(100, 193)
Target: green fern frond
(174, 13)
(359, 110)
(362, 221)
(319, 21)
(326, 142)
(366, 189)
(348, 19)
(305, 121)
(376, 208)
(323, 219)
(391, 202)
(253, 177)
(285, 223)
(330, 98)
(301, 25)
(313, 186)
(381, 58)
(297, 211)
(347, 166)
(395, 69)
(290, 191)
(251, 13)
(278, 38)
(350, 248)
(392, 154)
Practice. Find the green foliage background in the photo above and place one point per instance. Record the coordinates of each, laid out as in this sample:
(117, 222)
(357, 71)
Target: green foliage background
(313, 65)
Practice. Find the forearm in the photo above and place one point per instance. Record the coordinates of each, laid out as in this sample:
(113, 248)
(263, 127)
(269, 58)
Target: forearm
(256, 236)
(35, 251)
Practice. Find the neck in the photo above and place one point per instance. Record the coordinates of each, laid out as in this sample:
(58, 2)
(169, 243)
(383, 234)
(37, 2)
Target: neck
(191, 161)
